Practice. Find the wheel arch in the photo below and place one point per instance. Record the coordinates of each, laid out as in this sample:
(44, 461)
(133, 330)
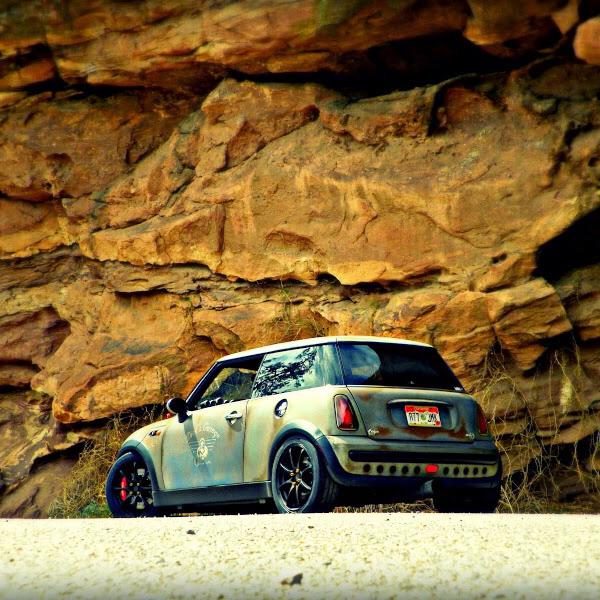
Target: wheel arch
(142, 452)
(304, 429)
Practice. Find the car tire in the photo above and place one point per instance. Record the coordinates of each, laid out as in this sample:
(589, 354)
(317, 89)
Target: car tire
(467, 501)
(300, 482)
(129, 488)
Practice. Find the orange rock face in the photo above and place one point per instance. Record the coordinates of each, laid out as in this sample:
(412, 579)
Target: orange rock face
(165, 198)
(587, 41)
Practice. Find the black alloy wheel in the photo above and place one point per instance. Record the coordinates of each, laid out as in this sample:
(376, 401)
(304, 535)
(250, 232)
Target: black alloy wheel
(129, 488)
(299, 480)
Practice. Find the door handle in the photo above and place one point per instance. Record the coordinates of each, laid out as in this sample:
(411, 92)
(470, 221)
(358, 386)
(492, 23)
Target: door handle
(232, 417)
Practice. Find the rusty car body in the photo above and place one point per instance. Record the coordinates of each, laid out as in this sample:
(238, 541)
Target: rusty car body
(304, 425)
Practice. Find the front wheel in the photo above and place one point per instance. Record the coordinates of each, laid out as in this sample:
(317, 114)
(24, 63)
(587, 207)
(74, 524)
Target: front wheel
(467, 501)
(129, 488)
(299, 479)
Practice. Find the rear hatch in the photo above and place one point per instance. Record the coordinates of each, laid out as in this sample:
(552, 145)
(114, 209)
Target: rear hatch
(405, 391)
(404, 414)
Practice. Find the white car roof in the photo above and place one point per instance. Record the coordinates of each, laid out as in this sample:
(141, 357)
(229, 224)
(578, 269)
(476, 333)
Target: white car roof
(319, 341)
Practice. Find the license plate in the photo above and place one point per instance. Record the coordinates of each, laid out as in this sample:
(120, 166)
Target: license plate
(423, 416)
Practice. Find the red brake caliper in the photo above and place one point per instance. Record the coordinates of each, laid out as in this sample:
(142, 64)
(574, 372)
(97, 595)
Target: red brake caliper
(123, 488)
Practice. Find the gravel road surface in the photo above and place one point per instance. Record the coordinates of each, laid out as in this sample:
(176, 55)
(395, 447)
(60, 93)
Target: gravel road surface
(368, 555)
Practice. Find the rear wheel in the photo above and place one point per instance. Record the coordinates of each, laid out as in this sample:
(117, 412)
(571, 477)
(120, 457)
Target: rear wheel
(299, 479)
(129, 488)
(471, 501)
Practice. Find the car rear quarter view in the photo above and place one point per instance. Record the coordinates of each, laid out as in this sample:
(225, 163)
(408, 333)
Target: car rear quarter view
(305, 425)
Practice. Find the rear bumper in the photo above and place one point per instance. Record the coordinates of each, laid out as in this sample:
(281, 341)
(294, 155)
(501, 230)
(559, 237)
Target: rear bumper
(402, 468)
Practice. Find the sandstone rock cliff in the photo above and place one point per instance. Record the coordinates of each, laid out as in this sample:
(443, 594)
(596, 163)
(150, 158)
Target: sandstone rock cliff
(180, 180)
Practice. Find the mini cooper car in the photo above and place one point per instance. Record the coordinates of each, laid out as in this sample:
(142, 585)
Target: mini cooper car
(301, 426)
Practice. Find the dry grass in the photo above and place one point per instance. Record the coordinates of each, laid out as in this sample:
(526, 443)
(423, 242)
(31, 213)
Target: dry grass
(295, 322)
(556, 479)
(83, 493)
(541, 476)
(397, 507)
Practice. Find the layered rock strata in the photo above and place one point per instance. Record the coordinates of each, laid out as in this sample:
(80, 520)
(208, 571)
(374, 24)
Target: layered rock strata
(152, 226)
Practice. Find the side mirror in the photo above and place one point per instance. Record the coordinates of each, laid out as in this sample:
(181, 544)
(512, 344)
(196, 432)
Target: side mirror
(177, 406)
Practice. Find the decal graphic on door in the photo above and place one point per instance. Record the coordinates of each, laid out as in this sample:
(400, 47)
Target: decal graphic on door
(202, 442)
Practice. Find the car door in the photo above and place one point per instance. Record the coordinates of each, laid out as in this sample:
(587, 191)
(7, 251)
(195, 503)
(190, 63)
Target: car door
(286, 391)
(207, 448)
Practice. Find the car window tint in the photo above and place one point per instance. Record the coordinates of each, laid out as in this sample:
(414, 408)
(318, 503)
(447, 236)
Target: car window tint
(396, 365)
(301, 368)
(229, 385)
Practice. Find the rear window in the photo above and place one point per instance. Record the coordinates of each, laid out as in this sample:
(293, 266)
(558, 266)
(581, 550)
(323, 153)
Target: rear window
(396, 365)
(298, 369)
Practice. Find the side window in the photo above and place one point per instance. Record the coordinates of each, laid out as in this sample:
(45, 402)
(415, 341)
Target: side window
(231, 383)
(298, 369)
(362, 365)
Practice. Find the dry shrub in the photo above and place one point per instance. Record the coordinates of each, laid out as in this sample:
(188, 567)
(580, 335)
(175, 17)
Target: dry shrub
(295, 322)
(83, 492)
(541, 476)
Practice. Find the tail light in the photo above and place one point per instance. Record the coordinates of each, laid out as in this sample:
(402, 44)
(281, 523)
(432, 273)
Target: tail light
(344, 413)
(482, 424)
